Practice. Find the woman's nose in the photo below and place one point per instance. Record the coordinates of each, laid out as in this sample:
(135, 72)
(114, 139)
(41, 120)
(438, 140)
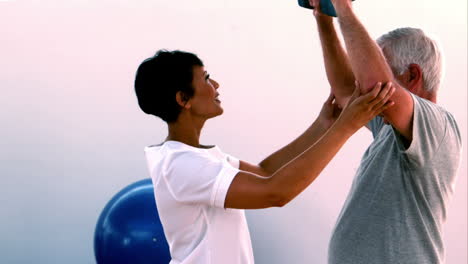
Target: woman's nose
(215, 84)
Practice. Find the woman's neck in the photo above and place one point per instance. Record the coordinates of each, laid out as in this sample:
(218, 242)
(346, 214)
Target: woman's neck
(185, 131)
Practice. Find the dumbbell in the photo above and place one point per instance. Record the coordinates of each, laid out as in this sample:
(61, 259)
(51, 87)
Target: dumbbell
(326, 6)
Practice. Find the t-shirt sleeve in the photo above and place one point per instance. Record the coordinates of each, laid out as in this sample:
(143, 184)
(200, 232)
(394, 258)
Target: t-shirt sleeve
(375, 125)
(429, 131)
(235, 162)
(194, 177)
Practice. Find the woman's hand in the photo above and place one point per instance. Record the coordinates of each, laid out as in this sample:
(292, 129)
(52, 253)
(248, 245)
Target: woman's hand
(360, 109)
(329, 113)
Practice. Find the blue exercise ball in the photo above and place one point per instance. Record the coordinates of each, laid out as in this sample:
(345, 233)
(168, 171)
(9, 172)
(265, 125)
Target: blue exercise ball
(129, 231)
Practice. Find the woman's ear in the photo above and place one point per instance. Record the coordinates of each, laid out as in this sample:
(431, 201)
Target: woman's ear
(183, 100)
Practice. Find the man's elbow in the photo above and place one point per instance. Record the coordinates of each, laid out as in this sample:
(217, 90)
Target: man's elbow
(367, 83)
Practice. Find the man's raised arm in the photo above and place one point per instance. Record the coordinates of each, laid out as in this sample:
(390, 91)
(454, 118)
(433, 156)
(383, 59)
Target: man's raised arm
(339, 72)
(370, 66)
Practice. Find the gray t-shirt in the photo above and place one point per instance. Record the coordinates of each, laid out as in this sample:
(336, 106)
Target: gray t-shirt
(398, 200)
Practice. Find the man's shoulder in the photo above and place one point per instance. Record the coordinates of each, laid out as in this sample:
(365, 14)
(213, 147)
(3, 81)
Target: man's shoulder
(428, 107)
(434, 114)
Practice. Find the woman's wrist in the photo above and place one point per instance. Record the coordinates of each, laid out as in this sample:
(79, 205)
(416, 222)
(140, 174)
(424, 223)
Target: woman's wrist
(344, 127)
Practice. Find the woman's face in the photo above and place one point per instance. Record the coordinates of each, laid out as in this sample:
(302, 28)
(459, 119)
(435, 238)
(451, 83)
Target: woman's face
(205, 102)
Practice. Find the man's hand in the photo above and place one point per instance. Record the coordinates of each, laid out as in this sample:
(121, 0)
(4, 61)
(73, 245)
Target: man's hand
(329, 113)
(341, 5)
(318, 11)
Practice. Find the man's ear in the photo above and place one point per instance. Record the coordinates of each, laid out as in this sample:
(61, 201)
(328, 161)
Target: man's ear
(415, 76)
(183, 100)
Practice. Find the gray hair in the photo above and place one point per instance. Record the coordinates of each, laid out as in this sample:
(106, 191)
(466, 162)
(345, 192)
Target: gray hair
(405, 46)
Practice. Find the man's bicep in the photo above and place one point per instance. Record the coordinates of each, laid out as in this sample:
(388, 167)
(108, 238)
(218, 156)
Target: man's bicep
(400, 116)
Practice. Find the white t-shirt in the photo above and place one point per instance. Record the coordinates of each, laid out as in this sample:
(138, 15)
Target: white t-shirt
(190, 187)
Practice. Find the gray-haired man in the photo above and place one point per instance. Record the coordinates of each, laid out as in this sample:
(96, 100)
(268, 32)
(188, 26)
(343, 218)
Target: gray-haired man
(398, 201)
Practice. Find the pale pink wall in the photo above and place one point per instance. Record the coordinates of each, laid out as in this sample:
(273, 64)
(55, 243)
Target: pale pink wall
(74, 134)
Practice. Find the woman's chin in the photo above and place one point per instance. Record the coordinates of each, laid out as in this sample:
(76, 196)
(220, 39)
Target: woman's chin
(221, 111)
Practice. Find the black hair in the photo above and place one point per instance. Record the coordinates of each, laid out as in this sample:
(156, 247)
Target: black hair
(159, 78)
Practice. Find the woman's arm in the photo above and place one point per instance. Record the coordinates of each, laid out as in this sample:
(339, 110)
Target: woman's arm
(273, 162)
(250, 191)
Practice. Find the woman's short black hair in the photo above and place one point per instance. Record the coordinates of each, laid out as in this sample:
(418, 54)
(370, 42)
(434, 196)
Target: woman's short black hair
(159, 78)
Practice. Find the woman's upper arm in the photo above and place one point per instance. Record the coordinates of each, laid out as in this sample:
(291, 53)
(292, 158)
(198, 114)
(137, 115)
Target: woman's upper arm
(251, 191)
(255, 169)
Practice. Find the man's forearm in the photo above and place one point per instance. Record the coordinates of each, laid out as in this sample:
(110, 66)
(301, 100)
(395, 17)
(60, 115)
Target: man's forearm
(367, 60)
(337, 66)
(284, 155)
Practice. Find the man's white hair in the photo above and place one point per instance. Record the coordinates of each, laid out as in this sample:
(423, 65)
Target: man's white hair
(405, 46)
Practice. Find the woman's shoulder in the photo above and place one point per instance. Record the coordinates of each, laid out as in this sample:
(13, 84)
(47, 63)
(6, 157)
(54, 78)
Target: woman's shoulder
(178, 150)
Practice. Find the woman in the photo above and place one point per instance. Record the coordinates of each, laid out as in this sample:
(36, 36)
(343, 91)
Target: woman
(199, 189)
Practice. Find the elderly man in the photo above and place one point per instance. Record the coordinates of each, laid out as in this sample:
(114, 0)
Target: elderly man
(397, 204)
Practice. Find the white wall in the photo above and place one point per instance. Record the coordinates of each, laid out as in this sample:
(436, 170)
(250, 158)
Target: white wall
(72, 134)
